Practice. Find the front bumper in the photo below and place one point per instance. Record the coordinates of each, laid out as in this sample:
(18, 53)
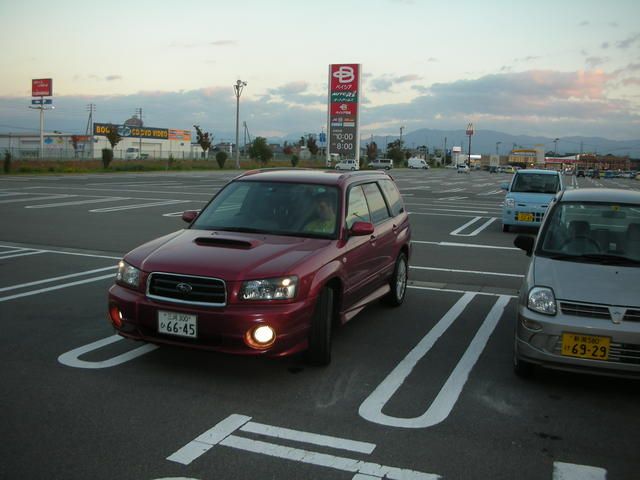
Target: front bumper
(515, 216)
(218, 328)
(543, 345)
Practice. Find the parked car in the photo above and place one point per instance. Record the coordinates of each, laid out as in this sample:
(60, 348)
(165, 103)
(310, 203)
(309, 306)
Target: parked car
(463, 168)
(415, 162)
(580, 173)
(349, 164)
(493, 169)
(579, 307)
(384, 163)
(528, 196)
(270, 266)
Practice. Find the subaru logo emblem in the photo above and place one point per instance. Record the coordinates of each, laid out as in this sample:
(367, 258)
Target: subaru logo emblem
(184, 288)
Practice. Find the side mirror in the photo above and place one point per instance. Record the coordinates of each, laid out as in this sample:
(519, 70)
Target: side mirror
(189, 216)
(360, 229)
(525, 242)
(504, 186)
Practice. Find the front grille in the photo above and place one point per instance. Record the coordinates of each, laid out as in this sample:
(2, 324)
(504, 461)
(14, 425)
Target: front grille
(632, 316)
(585, 310)
(187, 289)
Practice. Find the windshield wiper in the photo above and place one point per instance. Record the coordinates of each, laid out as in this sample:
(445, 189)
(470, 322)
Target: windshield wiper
(610, 259)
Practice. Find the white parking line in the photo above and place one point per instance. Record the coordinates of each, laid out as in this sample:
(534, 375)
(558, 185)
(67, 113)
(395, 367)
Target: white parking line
(54, 279)
(21, 254)
(475, 272)
(457, 231)
(463, 245)
(440, 408)
(139, 205)
(28, 199)
(71, 359)
(78, 202)
(570, 471)
(57, 287)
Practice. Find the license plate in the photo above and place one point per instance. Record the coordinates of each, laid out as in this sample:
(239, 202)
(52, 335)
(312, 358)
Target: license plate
(525, 217)
(179, 324)
(585, 346)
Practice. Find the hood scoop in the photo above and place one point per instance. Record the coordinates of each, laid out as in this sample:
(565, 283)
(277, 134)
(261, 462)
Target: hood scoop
(223, 242)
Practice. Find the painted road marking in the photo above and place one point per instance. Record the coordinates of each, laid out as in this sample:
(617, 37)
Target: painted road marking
(452, 199)
(463, 245)
(53, 279)
(440, 408)
(139, 205)
(71, 359)
(492, 192)
(62, 252)
(23, 253)
(223, 434)
(78, 202)
(56, 287)
(28, 199)
(457, 231)
(570, 471)
(476, 272)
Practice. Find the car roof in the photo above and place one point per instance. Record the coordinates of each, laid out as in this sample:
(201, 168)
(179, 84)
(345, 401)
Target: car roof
(606, 195)
(303, 175)
(531, 171)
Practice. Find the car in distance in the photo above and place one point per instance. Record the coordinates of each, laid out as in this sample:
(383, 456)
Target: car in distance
(272, 263)
(579, 307)
(463, 168)
(382, 163)
(415, 162)
(348, 164)
(528, 196)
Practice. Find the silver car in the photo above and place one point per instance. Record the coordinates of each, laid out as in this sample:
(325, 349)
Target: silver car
(579, 305)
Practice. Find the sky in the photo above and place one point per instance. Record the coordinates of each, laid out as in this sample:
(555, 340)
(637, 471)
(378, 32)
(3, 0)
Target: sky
(545, 67)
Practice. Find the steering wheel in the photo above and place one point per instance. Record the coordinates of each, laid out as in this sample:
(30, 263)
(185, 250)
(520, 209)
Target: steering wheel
(588, 240)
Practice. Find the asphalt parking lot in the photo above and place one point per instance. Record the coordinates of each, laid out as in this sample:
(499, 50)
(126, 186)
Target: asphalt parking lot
(423, 391)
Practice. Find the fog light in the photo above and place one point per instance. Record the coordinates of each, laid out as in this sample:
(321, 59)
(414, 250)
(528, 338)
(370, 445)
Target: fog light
(116, 316)
(262, 336)
(531, 325)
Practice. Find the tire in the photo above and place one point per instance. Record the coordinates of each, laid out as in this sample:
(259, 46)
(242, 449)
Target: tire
(319, 352)
(505, 228)
(398, 282)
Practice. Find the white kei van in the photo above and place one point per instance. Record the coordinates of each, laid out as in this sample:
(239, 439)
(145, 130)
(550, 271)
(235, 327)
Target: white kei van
(415, 162)
(349, 164)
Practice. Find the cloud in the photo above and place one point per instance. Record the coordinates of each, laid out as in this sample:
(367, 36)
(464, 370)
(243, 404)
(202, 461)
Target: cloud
(627, 42)
(111, 78)
(385, 83)
(432, 60)
(584, 23)
(631, 81)
(527, 58)
(605, 45)
(593, 62)
(290, 88)
(223, 43)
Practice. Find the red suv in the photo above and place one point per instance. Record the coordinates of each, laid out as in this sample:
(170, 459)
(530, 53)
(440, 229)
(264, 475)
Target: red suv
(274, 261)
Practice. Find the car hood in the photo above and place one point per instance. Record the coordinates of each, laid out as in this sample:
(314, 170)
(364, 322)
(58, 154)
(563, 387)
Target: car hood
(588, 282)
(532, 198)
(226, 255)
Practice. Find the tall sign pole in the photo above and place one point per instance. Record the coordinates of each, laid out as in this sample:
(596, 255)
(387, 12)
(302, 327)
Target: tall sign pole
(343, 120)
(469, 134)
(41, 87)
(237, 88)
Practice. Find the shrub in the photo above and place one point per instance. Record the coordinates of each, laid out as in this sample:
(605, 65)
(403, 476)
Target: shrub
(107, 156)
(221, 158)
(294, 160)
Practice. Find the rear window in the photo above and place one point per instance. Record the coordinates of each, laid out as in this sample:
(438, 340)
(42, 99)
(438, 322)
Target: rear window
(391, 193)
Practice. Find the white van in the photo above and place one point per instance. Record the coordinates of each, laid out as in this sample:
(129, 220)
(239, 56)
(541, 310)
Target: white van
(415, 162)
(349, 164)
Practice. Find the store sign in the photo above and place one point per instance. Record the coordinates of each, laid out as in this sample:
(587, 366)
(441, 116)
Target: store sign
(344, 94)
(131, 131)
(41, 87)
(182, 135)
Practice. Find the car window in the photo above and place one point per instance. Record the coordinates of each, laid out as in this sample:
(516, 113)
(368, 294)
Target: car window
(377, 205)
(536, 183)
(582, 228)
(393, 197)
(358, 210)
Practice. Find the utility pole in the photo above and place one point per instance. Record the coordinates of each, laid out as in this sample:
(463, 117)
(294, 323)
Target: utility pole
(139, 113)
(444, 153)
(89, 130)
(497, 145)
(237, 88)
(470, 134)
(401, 129)
(555, 148)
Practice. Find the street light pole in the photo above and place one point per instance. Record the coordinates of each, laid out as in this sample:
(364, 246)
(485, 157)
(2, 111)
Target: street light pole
(237, 88)
(497, 145)
(555, 148)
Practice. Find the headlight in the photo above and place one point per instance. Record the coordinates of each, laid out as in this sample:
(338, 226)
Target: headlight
(269, 289)
(510, 202)
(128, 275)
(542, 300)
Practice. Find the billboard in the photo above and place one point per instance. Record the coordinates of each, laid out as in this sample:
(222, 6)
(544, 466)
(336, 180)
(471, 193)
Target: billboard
(343, 112)
(183, 135)
(41, 87)
(131, 131)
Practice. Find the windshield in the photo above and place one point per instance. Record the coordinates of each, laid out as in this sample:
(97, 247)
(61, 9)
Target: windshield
(274, 208)
(597, 231)
(536, 183)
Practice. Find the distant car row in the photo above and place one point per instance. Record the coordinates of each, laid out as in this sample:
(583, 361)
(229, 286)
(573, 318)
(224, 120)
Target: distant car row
(381, 163)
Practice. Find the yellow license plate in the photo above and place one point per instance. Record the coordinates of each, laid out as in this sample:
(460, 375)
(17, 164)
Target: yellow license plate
(585, 346)
(525, 217)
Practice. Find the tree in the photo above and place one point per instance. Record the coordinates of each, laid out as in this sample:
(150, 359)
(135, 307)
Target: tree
(221, 157)
(394, 152)
(301, 142)
(204, 139)
(260, 150)
(372, 151)
(113, 136)
(312, 145)
(287, 149)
